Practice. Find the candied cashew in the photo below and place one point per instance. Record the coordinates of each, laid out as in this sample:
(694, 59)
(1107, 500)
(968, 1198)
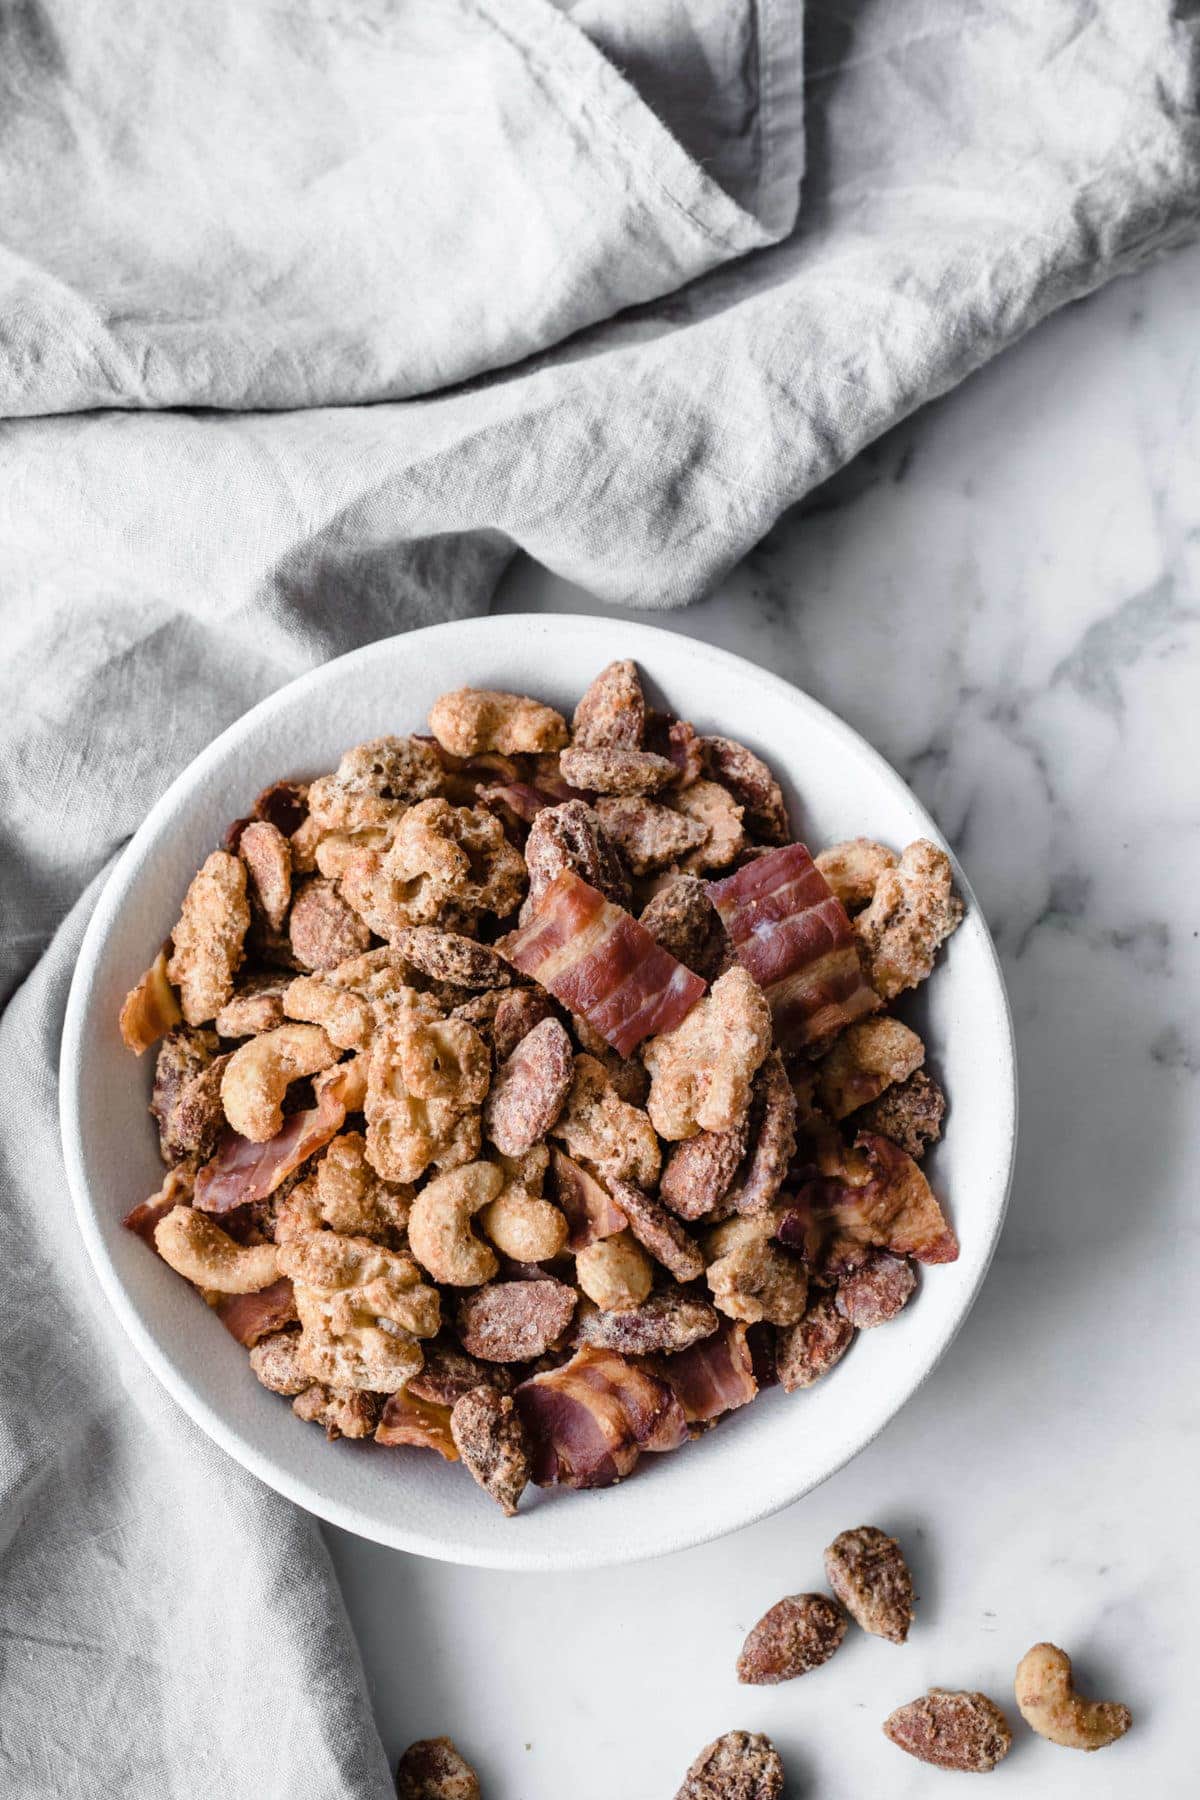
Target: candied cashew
(1048, 1703)
(150, 1009)
(268, 858)
(603, 1131)
(913, 910)
(750, 1277)
(868, 1574)
(612, 710)
(714, 808)
(434, 1769)
(471, 720)
(523, 1226)
(259, 1073)
(439, 1225)
(963, 1731)
(615, 1272)
(701, 1073)
(869, 1057)
(208, 1257)
(210, 937)
(853, 869)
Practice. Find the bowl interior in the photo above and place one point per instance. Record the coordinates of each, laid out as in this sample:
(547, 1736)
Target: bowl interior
(761, 1458)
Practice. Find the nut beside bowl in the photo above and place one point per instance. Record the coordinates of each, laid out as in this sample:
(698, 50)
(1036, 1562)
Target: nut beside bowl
(757, 1461)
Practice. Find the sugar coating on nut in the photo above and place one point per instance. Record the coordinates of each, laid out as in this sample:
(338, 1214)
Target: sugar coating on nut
(347, 1196)
(440, 1225)
(683, 919)
(362, 1308)
(275, 1361)
(813, 1345)
(700, 1073)
(1046, 1696)
(470, 720)
(752, 785)
(523, 1226)
(963, 1731)
(603, 1131)
(186, 1099)
(268, 858)
(571, 836)
(876, 1291)
(609, 769)
(648, 835)
(374, 782)
(910, 1114)
(869, 1057)
(741, 1765)
(612, 710)
(530, 1089)
(700, 1170)
(913, 910)
(713, 808)
(797, 1635)
(446, 865)
(868, 1574)
(256, 1006)
(491, 1441)
(658, 1231)
(344, 1412)
(666, 1322)
(772, 1134)
(406, 1133)
(433, 1769)
(258, 1075)
(614, 1272)
(196, 1248)
(209, 938)
(514, 1321)
(853, 869)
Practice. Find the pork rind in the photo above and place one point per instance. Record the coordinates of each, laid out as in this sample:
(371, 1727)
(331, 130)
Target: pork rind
(491, 1440)
(853, 869)
(257, 1076)
(571, 836)
(604, 1132)
(700, 1073)
(443, 1059)
(362, 1309)
(203, 1254)
(714, 809)
(612, 711)
(683, 919)
(648, 835)
(913, 911)
(323, 929)
(186, 1101)
(347, 1196)
(609, 769)
(407, 1132)
(447, 865)
(753, 786)
(150, 1008)
(867, 1058)
(473, 719)
(210, 937)
(910, 1114)
(530, 1089)
(750, 1277)
(268, 859)
(373, 784)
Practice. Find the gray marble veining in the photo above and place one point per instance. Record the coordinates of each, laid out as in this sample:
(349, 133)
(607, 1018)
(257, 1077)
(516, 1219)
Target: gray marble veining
(1004, 597)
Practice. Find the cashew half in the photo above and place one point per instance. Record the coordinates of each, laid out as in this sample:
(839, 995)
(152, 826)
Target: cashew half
(1048, 1702)
(439, 1225)
(615, 1272)
(258, 1075)
(202, 1253)
(524, 1227)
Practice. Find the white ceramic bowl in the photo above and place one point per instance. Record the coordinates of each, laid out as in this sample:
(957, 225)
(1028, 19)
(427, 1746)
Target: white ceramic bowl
(759, 1459)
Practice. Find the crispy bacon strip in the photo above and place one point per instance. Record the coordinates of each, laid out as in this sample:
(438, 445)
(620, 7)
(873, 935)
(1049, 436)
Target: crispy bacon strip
(882, 1199)
(591, 1212)
(589, 1421)
(603, 965)
(176, 1190)
(242, 1171)
(712, 1377)
(794, 935)
(249, 1317)
(407, 1420)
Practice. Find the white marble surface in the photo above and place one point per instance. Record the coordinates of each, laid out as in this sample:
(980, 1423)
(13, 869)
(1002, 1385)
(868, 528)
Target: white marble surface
(1005, 598)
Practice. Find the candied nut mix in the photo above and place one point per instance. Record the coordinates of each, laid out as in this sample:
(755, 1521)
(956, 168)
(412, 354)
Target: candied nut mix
(868, 1574)
(964, 1731)
(529, 1095)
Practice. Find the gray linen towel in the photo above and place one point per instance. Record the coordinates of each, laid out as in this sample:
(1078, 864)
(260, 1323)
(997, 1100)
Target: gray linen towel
(558, 248)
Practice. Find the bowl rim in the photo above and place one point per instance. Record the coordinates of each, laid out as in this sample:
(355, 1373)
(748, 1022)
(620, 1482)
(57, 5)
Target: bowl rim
(717, 1522)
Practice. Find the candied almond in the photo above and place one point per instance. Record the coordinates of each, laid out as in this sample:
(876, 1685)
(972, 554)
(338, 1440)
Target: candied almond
(323, 929)
(868, 1574)
(609, 769)
(964, 1731)
(810, 1348)
(649, 836)
(910, 1114)
(752, 785)
(530, 1089)
(491, 1441)
(449, 1373)
(699, 1171)
(433, 1769)
(514, 1321)
(186, 1099)
(797, 1635)
(517, 1012)
(571, 836)
(265, 852)
(683, 920)
(275, 1362)
(772, 1132)
(450, 957)
(613, 709)
(667, 1322)
(713, 807)
(741, 1765)
(874, 1293)
(658, 1231)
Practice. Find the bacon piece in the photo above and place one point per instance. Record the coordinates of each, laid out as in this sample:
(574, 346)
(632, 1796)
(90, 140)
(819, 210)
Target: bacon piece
(151, 1008)
(249, 1317)
(712, 1377)
(591, 1211)
(524, 801)
(603, 965)
(176, 1190)
(793, 934)
(882, 1199)
(589, 1421)
(242, 1171)
(407, 1420)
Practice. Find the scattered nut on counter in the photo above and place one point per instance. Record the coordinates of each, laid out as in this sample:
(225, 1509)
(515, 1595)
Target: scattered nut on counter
(1049, 1704)
(964, 1731)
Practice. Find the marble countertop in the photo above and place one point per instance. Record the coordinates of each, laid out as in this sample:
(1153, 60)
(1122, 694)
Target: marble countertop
(1004, 597)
